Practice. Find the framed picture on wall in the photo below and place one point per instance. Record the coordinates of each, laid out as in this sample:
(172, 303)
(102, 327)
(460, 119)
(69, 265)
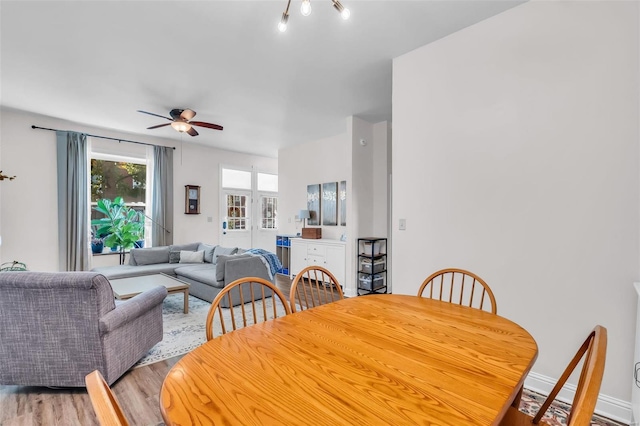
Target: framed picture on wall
(313, 204)
(342, 196)
(330, 204)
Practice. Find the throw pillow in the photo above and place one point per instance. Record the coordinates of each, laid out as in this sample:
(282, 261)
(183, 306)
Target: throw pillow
(174, 257)
(150, 256)
(222, 260)
(223, 251)
(208, 252)
(187, 247)
(191, 256)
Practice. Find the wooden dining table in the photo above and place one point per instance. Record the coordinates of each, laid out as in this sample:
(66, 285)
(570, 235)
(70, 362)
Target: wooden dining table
(377, 359)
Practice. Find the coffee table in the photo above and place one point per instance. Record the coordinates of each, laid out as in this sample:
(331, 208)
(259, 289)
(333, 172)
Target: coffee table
(126, 288)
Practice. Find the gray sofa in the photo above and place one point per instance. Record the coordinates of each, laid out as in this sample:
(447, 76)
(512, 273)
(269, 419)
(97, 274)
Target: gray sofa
(57, 327)
(218, 267)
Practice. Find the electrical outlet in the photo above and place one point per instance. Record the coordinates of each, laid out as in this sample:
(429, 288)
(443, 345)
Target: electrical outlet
(402, 224)
(209, 218)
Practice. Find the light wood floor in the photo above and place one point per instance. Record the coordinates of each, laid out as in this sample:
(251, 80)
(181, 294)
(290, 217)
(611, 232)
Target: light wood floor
(138, 391)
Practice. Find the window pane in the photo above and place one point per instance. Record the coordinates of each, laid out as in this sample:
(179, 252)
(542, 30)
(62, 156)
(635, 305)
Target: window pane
(236, 179)
(267, 182)
(111, 179)
(236, 211)
(269, 212)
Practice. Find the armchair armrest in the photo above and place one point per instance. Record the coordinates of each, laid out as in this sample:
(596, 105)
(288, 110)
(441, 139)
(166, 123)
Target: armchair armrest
(132, 308)
(245, 267)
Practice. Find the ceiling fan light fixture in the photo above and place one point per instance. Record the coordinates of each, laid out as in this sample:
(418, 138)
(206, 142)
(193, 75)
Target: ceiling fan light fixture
(344, 12)
(181, 126)
(305, 9)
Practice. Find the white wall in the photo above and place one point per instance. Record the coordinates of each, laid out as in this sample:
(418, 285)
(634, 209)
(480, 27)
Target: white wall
(28, 212)
(515, 155)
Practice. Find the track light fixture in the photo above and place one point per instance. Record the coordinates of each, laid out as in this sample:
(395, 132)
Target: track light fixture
(305, 9)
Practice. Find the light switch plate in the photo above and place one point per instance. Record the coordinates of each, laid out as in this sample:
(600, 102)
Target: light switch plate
(402, 224)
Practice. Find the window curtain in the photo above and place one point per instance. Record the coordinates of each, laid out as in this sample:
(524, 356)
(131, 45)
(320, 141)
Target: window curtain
(162, 196)
(73, 201)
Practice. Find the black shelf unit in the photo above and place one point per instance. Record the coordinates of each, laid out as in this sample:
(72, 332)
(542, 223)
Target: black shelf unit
(372, 266)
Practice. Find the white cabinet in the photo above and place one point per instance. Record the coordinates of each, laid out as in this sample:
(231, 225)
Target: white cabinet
(330, 254)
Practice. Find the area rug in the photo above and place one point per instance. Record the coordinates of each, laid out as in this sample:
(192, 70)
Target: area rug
(556, 414)
(185, 332)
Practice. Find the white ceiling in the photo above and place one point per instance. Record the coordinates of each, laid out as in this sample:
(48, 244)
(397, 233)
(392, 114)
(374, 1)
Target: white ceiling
(97, 62)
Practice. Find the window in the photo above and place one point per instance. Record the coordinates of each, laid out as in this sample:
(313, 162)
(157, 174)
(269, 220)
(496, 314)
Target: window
(267, 182)
(237, 211)
(268, 187)
(269, 210)
(238, 179)
(118, 177)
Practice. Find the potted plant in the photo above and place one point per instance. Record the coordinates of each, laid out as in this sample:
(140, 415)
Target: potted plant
(97, 245)
(122, 224)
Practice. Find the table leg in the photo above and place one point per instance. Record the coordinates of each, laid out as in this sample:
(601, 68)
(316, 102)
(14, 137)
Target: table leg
(186, 301)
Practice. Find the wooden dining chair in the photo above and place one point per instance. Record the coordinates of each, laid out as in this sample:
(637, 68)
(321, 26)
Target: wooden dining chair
(253, 293)
(105, 404)
(594, 351)
(314, 286)
(460, 287)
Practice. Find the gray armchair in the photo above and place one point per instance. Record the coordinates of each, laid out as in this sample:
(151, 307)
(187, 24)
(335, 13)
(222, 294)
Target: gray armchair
(55, 328)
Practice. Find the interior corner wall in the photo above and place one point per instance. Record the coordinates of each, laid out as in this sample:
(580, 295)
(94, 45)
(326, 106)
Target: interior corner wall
(29, 205)
(362, 190)
(516, 156)
(380, 180)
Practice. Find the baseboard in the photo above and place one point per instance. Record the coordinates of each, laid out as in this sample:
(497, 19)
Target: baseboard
(613, 408)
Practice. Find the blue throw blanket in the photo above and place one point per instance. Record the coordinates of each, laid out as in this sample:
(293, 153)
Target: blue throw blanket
(269, 259)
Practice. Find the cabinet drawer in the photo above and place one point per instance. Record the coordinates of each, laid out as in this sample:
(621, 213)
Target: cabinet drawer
(316, 261)
(316, 250)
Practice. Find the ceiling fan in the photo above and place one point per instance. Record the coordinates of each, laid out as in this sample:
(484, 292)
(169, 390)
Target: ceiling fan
(181, 121)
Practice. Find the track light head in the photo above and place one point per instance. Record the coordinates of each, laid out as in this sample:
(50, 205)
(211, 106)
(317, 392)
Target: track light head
(282, 26)
(305, 9)
(344, 12)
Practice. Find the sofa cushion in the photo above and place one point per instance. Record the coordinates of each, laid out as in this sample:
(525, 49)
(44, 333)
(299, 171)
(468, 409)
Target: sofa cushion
(174, 256)
(202, 272)
(221, 263)
(126, 271)
(150, 256)
(208, 252)
(191, 256)
(219, 250)
(186, 247)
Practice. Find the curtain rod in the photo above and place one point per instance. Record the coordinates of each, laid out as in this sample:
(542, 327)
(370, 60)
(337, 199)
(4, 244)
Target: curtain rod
(97, 136)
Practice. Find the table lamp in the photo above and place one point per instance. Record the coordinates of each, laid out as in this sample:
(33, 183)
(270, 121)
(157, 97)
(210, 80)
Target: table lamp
(304, 215)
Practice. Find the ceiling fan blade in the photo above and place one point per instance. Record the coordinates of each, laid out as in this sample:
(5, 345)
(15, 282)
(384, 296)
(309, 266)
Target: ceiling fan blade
(208, 125)
(159, 125)
(188, 114)
(192, 132)
(150, 113)
(175, 113)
